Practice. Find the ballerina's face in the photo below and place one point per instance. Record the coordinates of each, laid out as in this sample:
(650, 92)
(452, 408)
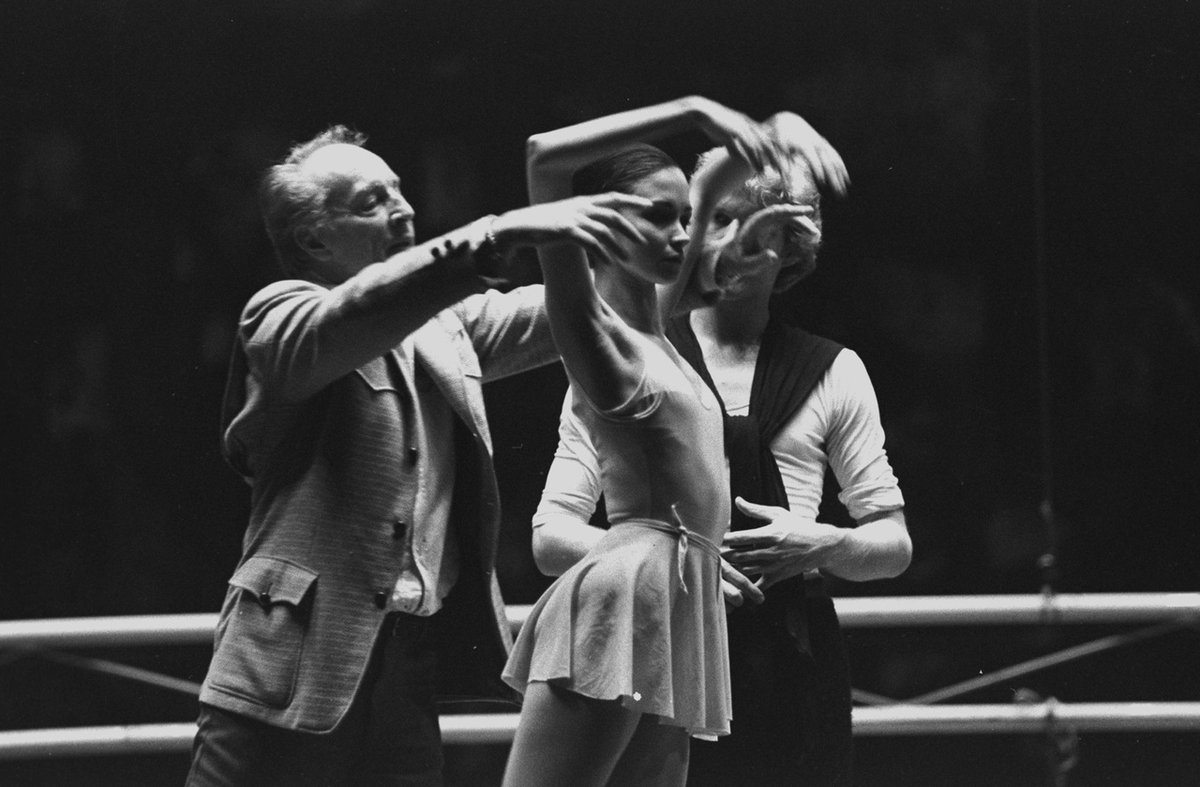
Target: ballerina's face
(659, 258)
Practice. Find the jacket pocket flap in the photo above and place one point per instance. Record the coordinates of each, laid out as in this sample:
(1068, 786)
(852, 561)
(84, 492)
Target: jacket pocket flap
(376, 376)
(274, 580)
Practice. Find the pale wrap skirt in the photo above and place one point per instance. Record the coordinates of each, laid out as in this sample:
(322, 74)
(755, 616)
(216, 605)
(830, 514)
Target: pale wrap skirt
(640, 619)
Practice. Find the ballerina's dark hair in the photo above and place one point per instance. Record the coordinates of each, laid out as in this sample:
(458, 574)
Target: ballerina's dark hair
(619, 171)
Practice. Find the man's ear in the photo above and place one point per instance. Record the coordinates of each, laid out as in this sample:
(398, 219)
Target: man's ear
(306, 238)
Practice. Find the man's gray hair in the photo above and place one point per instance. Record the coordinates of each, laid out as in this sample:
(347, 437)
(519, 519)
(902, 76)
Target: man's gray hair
(289, 200)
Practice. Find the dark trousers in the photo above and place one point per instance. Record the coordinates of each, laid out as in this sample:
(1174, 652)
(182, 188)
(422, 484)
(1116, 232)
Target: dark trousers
(791, 710)
(389, 736)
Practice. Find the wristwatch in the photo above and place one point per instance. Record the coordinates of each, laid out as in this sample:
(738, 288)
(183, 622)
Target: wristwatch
(489, 261)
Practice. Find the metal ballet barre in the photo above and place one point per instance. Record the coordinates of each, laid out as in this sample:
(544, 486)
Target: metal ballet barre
(917, 716)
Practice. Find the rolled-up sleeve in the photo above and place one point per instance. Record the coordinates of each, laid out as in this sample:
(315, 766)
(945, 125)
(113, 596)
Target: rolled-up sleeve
(856, 441)
(573, 481)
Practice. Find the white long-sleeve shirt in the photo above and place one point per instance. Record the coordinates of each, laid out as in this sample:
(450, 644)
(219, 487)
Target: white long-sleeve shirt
(838, 427)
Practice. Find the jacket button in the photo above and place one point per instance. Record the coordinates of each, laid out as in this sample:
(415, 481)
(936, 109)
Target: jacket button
(381, 599)
(412, 454)
(398, 528)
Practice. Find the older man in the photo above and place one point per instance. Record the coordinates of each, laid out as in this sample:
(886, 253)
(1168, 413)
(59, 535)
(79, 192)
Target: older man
(354, 410)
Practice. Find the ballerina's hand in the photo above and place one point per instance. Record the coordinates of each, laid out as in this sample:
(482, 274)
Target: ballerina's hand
(595, 222)
(743, 137)
(796, 137)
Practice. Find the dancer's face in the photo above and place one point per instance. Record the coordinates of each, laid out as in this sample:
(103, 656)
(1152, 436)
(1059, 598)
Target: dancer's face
(658, 259)
(740, 278)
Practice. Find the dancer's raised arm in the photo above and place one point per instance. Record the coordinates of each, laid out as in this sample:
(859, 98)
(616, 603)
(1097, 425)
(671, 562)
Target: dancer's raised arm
(552, 157)
(592, 338)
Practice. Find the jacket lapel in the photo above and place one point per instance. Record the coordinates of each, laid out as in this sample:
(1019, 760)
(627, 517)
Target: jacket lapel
(442, 347)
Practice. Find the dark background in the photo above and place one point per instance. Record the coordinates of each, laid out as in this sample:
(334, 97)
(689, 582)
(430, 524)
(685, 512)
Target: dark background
(1015, 264)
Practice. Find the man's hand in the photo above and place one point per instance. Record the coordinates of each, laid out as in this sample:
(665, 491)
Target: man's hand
(784, 547)
(594, 222)
(738, 588)
(766, 229)
(761, 244)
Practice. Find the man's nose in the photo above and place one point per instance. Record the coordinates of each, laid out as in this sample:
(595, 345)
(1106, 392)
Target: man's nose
(402, 213)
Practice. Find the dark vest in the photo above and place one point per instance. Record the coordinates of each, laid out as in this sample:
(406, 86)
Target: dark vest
(790, 364)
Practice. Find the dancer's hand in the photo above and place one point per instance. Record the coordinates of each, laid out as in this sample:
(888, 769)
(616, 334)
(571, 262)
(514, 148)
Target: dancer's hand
(768, 241)
(738, 588)
(796, 137)
(742, 136)
(786, 546)
(768, 228)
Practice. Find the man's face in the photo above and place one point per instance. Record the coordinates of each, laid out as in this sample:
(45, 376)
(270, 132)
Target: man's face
(366, 218)
(738, 276)
(734, 207)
